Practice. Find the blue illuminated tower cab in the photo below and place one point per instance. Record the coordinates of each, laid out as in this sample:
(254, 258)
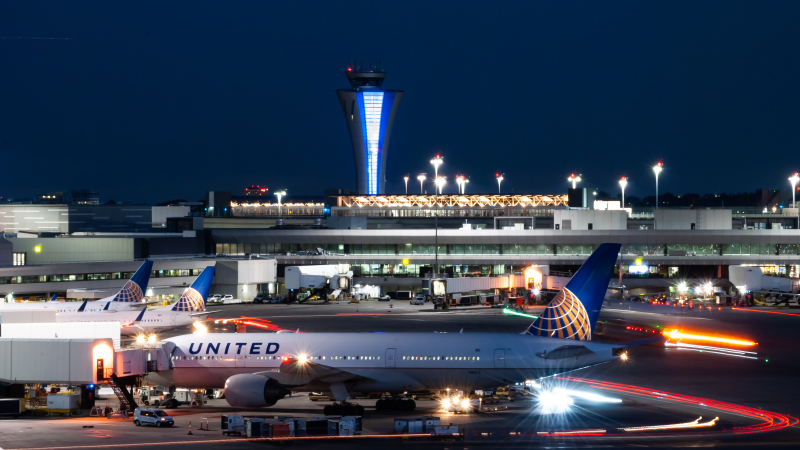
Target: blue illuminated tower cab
(369, 112)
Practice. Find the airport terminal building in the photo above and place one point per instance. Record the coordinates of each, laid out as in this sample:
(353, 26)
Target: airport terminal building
(399, 240)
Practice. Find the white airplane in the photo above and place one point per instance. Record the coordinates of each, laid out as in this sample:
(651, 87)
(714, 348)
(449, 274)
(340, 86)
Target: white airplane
(258, 369)
(189, 308)
(130, 296)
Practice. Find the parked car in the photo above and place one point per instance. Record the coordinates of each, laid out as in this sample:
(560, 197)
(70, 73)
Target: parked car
(152, 416)
(418, 300)
(227, 297)
(385, 298)
(262, 298)
(215, 298)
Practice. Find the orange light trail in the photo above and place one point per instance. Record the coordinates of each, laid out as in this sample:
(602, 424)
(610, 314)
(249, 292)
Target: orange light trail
(768, 312)
(678, 335)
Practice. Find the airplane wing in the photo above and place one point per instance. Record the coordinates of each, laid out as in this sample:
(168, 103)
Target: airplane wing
(295, 371)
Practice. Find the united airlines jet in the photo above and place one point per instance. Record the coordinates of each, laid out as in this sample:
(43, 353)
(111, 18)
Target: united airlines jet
(189, 308)
(258, 369)
(131, 295)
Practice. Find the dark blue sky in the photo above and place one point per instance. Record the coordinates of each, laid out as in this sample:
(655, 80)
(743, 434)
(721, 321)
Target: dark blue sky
(149, 101)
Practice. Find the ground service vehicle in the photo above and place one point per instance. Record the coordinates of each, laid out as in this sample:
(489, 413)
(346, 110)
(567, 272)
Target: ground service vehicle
(152, 416)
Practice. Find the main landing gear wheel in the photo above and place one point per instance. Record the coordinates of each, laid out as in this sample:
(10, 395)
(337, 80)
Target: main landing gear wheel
(343, 409)
(395, 404)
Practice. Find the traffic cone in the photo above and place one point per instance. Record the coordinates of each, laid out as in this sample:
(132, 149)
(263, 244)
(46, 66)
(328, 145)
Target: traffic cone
(190, 428)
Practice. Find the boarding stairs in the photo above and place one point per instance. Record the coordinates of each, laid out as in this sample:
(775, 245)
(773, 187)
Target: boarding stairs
(123, 394)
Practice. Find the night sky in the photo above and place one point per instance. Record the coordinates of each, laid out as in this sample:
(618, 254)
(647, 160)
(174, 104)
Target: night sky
(151, 101)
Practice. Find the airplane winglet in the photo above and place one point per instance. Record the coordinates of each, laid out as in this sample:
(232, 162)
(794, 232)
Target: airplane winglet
(55, 297)
(83, 306)
(107, 305)
(141, 314)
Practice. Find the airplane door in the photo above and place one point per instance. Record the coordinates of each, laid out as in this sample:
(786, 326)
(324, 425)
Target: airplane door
(499, 358)
(390, 356)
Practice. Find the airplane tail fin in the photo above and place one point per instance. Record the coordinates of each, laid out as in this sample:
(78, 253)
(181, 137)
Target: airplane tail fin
(573, 313)
(134, 289)
(194, 299)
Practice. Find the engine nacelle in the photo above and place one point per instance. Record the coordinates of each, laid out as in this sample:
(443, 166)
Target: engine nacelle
(249, 390)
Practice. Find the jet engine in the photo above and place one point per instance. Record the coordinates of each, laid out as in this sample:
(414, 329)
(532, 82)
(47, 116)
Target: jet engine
(253, 391)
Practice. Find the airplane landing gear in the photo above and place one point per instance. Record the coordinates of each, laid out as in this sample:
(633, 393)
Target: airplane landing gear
(344, 409)
(395, 404)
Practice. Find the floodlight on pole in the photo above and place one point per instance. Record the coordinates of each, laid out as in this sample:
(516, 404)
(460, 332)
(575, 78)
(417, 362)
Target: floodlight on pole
(405, 178)
(421, 177)
(280, 195)
(657, 169)
(460, 183)
(499, 180)
(622, 183)
(437, 161)
(440, 182)
(574, 179)
(794, 179)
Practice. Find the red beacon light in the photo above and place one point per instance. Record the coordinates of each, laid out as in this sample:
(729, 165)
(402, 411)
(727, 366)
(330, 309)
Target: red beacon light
(349, 69)
(285, 359)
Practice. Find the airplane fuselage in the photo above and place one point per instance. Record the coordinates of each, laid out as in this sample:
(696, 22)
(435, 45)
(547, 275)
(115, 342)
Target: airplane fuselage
(393, 362)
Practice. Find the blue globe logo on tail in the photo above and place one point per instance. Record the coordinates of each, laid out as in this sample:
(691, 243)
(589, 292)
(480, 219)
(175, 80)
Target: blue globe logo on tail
(565, 318)
(133, 291)
(573, 312)
(194, 299)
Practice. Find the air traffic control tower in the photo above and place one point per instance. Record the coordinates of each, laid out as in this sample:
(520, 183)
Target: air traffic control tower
(369, 112)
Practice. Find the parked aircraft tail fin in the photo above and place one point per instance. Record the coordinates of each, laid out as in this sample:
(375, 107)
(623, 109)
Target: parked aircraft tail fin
(134, 289)
(194, 299)
(572, 314)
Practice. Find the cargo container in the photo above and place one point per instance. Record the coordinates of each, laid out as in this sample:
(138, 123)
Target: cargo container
(10, 407)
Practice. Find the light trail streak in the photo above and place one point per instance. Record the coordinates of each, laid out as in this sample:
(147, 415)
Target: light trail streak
(770, 421)
(715, 350)
(675, 426)
(515, 313)
(598, 432)
(760, 311)
(677, 335)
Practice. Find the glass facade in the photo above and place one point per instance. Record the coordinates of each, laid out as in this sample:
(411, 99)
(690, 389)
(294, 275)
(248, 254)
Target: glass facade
(372, 106)
(97, 276)
(513, 249)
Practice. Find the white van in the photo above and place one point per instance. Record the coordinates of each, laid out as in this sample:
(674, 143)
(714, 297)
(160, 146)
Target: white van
(152, 416)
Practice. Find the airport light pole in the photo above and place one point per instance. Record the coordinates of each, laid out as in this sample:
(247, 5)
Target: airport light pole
(438, 161)
(405, 178)
(421, 177)
(574, 179)
(440, 182)
(794, 179)
(280, 195)
(460, 183)
(622, 183)
(657, 169)
(499, 180)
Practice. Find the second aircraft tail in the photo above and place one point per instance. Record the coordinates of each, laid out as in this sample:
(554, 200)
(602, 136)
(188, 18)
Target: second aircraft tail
(573, 313)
